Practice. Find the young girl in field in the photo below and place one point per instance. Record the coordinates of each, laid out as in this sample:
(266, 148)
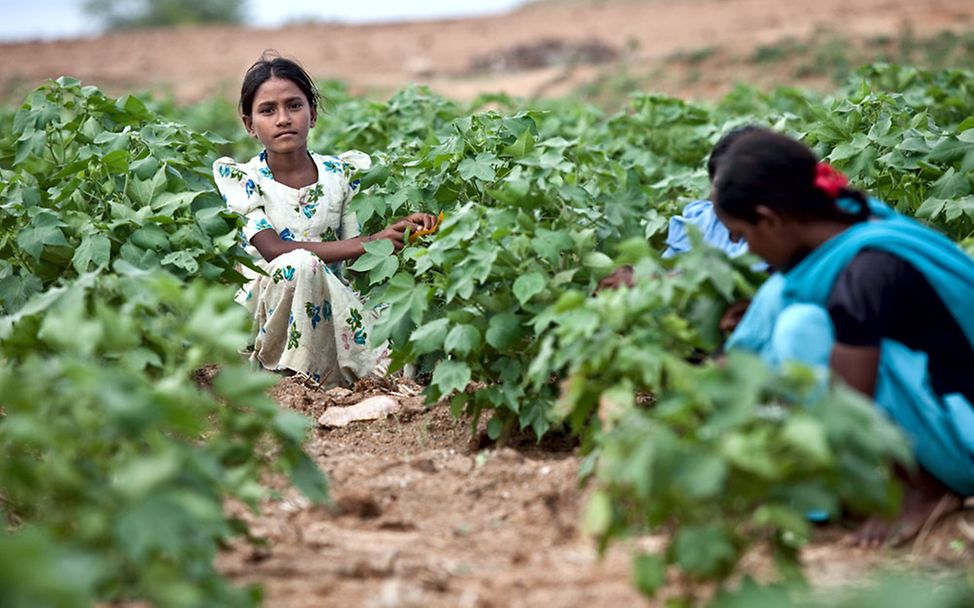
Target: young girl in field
(891, 301)
(299, 229)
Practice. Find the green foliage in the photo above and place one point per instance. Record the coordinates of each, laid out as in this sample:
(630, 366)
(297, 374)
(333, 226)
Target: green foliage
(126, 14)
(108, 217)
(906, 136)
(117, 466)
(86, 180)
(629, 341)
(532, 205)
(733, 456)
(103, 457)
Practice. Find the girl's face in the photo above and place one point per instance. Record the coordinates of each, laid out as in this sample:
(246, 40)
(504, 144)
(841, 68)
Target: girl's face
(773, 237)
(280, 117)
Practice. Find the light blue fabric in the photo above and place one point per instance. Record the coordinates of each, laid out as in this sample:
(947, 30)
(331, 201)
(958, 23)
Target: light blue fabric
(780, 332)
(941, 427)
(700, 214)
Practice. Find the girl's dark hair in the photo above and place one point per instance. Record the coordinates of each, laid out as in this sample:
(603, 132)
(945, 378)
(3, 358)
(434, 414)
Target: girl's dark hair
(723, 144)
(762, 167)
(270, 65)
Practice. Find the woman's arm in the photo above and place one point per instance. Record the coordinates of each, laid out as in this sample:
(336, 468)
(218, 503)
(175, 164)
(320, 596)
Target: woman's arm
(857, 365)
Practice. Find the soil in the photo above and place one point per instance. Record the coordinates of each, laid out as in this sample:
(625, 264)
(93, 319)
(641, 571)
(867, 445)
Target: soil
(423, 516)
(452, 55)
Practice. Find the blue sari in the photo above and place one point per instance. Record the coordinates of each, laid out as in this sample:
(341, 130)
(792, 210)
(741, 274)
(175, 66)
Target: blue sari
(788, 321)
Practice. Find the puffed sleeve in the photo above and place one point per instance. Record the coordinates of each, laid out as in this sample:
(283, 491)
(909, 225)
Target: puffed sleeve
(353, 161)
(242, 195)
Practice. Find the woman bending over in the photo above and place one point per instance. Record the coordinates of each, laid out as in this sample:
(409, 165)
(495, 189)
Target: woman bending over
(885, 301)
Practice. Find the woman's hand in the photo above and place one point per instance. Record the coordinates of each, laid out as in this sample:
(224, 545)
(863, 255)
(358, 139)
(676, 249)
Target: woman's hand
(619, 277)
(733, 315)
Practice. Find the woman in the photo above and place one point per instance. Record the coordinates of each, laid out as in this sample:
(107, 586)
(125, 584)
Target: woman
(299, 229)
(885, 301)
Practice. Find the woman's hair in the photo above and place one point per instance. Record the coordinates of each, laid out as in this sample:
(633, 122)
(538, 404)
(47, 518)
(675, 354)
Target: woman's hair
(720, 148)
(762, 167)
(271, 65)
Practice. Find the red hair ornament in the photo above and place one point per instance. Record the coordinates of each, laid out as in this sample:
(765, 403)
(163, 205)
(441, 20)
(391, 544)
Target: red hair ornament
(829, 180)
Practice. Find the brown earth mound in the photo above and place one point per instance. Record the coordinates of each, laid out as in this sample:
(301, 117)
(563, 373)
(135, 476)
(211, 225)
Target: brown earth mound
(195, 63)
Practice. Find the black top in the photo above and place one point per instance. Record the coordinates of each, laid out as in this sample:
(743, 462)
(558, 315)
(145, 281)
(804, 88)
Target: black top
(879, 295)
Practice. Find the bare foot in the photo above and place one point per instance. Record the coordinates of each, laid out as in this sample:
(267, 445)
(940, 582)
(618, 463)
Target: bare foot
(925, 502)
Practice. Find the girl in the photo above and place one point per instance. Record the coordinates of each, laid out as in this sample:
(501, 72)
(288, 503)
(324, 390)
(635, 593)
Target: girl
(885, 301)
(298, 230)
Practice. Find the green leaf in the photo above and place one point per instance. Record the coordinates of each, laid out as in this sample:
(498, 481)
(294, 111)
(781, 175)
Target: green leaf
(429, 337)
(951, 185)
(528, 285)
(597, 260)
(481, 167)
(704, 552)
(44, 230)
(750, 453)
(462, 340)
(243, 386)
(504, 330)
(168, 203)
(807, 436)
(142, 476)
(30, 146)
(117, 161)
(94, 249)
(292, 425)
(598, 514)
(549, 244)
(701, 476)
(494, 428)
(450, 376)
(405, 300)
(152, 238)
(648, 573)
(15, 291)
(144, 191)
(376, 253)
(384, 270)
(931, 208)
(522, 146)
(309, 479)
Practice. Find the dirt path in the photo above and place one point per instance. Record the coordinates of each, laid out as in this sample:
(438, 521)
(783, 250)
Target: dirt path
(195, 63)
(424, 520)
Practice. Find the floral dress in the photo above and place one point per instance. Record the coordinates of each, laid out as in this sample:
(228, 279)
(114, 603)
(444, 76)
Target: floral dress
(307, 318)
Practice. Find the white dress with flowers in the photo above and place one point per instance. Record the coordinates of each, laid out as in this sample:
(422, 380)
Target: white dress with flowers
(307, 318)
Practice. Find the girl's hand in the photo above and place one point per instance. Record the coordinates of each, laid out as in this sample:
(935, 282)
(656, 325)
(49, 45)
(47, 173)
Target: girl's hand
(422, 221)
(395, 233)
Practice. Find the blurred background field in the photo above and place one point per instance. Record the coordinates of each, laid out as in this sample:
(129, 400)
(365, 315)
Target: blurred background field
(598, 50)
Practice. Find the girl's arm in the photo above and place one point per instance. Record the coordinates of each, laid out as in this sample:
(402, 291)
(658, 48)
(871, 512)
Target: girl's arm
(857, 365)
(271, 245)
